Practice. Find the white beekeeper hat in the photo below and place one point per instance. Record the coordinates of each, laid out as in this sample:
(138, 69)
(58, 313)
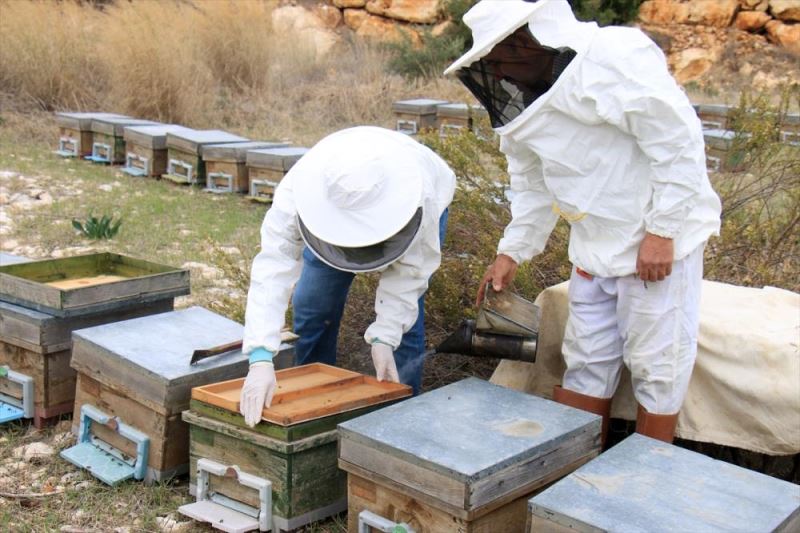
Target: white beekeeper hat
(358, 194)
(491, 21)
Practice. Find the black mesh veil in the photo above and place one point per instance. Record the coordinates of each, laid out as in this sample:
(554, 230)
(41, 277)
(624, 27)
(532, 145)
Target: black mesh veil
(516, 72)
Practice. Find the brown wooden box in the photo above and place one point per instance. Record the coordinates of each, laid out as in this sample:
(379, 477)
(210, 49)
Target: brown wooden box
(138, 370)
(267, 167)
(226, 165)
(146, 149)
(75, 132)
(295, 445)
(413, 116)
(453, 118)
(108, 141)
(723, 152)
(465, 457)
(713, 116)
(185, 163)
(39, 345)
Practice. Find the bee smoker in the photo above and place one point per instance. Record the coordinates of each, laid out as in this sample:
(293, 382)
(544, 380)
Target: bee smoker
(507, 327)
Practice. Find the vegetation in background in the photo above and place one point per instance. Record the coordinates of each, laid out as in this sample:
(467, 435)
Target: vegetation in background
(97, 228)
(606, 12)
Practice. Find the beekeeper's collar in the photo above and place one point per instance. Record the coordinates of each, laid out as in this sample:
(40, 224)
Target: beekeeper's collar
(358, 194)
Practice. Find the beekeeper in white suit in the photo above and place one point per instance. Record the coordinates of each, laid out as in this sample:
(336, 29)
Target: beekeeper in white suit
(362, 199)
(596, 131)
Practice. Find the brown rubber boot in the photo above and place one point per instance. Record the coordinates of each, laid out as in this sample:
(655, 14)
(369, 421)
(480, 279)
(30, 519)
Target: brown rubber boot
(598, 406)
(661, 427)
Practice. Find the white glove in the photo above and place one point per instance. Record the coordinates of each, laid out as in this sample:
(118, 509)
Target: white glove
(259, 386)
(383, 359)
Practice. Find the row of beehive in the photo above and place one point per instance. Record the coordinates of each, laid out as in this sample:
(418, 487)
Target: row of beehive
(469, 457)
(413, 116)
(218, 160)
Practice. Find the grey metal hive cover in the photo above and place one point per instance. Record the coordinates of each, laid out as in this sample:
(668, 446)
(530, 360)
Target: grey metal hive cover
(83, 121)
(163, 344)
(468, 429)
(418, 105)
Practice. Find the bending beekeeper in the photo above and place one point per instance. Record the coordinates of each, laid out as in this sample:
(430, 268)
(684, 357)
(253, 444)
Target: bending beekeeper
(361, 200)
(596, 131)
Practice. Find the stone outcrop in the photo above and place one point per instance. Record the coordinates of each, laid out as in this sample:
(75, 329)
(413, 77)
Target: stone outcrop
(380, 29)
(349, 3)
(304, 24)
(692, 63)
(779, 18)
(418, 11)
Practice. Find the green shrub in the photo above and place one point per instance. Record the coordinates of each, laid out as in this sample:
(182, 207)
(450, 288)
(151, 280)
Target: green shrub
(97, 228)
(606, 12)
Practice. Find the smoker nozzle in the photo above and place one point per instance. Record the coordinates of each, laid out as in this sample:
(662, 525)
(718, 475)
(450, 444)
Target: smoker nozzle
(466, 340)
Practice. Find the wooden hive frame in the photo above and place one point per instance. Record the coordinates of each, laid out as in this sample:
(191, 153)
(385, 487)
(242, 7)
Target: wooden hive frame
(413, 116)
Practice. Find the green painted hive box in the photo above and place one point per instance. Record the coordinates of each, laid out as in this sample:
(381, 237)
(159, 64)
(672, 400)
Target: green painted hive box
(295, 444)
(108, 138)
(185, 163)
(87, 284)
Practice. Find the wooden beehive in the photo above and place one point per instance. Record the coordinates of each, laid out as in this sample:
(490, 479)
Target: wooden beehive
(108, 140)
(453, 118)
(226, 165)
(790, 129)
(87, 284)
(138, 370)
(185, 154)
(295, 445)
(643, 485)
(75, 132)
(713, 116)
(146, 149)
(266, 169)
(722, 152)
(413, 116)
(465, 457)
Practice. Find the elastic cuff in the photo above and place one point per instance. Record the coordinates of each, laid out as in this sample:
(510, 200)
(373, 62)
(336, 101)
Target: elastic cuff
(660, 231)
(376, 340)
(260, 355)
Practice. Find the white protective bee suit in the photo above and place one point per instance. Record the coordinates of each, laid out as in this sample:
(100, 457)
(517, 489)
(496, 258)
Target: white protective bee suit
(346, 199)
(610, 142)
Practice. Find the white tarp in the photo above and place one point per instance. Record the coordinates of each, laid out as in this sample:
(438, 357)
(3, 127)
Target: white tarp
(745, 389)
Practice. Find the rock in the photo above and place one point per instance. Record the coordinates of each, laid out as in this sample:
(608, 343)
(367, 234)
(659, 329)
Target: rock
(786, 35)
(349, 3)
(717, 13)
(70, 477)
(123, 529)
(418, 11)
(663, 40)
(354, 18)
(751, 21)
(170, 525)
(785, 10)
(8, 244)
(298, 22)
(83, 485)
(34, 452)
(330, 16)
(62, 439)
(442, 28)
(754, 5)
(383, 30)
(107, 187)
(205, 271)
(5, 174)
(692, 63)
(663, 12)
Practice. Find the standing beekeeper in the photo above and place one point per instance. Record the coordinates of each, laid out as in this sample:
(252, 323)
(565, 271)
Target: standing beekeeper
(362, 199)
(596, 131)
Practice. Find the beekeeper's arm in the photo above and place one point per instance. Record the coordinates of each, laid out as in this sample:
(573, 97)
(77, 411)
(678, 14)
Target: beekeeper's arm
(275, 271)
(646, 102)
(532, 217)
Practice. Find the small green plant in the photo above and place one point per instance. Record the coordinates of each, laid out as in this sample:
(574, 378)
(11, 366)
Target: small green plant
(97, 228)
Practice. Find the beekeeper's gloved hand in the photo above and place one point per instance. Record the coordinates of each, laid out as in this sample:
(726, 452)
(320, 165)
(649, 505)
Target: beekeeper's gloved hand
(383, 359)
(259, 386)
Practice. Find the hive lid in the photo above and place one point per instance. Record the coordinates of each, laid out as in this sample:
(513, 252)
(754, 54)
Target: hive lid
(194, 140)
(421, 106)
(307, 393)
(82, 121)
(154, 136)
(643, 485)
(8, 259)
(453, 110)
(468, 430)
(276, 158)
(713, 109)
(236, 152)
(116, 125)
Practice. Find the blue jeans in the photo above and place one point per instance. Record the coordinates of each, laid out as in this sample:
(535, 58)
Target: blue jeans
(318, 304)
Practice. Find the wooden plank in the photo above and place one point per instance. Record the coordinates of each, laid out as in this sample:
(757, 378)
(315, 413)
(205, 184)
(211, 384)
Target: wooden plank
(10, 388)
(28, 363)
(438, 486)
(237, 171)
(169, 435)
(364, 494)
(59, 379)
(305, 394)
